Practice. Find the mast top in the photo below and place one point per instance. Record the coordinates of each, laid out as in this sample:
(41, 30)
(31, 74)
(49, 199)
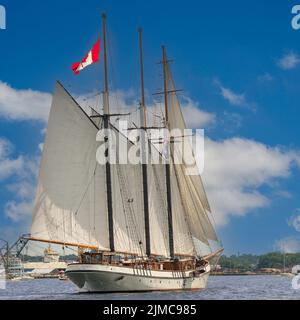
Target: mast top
(143, 104)
(106, 93)
(165, 62)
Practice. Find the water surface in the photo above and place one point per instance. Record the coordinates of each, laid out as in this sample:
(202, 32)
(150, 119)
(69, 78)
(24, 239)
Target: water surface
(220, 287)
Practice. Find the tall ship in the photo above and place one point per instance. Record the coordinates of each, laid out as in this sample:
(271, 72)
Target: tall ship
(143, 226)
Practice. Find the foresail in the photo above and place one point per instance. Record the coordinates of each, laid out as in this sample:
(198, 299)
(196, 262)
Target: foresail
(70, 204)
(191, 186)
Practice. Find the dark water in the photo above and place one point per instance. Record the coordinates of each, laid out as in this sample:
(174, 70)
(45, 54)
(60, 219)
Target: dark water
(227, 287)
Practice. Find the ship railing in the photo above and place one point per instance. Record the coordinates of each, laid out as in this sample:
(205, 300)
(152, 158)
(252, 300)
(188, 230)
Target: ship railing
(142, 269)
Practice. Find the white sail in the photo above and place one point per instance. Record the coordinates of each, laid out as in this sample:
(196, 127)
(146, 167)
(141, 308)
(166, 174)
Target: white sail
(158, 208)
(159, 223)
(183, 242)
(129, 217)
(191, 187)
(70, 204)
(129, 227)
(71, 201)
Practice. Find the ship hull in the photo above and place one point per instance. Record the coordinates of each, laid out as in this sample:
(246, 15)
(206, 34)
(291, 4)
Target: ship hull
(101, 278)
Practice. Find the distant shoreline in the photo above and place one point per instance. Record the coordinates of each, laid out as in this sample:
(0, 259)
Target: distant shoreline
(244, 274)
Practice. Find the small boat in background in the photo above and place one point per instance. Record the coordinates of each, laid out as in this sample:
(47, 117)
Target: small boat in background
(62, 275)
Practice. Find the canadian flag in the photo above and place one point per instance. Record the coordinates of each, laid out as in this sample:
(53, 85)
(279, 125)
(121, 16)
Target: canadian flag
(90, 58)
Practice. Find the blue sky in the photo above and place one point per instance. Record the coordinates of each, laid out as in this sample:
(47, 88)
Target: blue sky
(238, 63)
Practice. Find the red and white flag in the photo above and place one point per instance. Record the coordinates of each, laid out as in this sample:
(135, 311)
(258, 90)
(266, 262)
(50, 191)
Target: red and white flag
(90, 58)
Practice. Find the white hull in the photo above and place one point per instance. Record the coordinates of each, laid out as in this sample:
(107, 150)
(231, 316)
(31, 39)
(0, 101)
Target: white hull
(105, 278)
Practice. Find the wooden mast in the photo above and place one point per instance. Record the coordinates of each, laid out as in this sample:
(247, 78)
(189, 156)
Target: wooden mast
(168, 173)
(106, 126)
(143, 104)
(144, 142)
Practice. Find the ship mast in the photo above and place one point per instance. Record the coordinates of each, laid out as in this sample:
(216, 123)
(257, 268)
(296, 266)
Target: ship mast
(106, 116)
(143, 142)
(143, 104)
(168, 173)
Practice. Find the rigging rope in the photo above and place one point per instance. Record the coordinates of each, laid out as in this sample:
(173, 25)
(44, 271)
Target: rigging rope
(87, 188)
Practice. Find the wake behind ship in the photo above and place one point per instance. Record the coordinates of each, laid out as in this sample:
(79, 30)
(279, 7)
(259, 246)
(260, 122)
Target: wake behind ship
(137, 227)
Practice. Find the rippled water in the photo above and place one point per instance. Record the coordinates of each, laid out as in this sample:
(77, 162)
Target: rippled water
(226, 287)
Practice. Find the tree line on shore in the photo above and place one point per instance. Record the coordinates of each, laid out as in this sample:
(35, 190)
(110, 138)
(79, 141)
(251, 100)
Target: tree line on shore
(250, 262)
(27, 258)
(244, 262)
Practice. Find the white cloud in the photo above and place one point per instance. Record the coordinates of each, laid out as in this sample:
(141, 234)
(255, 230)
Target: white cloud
(289, 61)
(22, 105)
(195, 117)
(236, 169)
(5, 148)
(124, 101)
(288, 245)
(284, 194)
(18, 211)
(41, 147)
(12, 233)
(23, 170)
(22, 189)
(232, 97)
(8, 165)
(266, 77)
(23, 192)
(230, 121)
(119, 100)
(35, 105)
(294, 221)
